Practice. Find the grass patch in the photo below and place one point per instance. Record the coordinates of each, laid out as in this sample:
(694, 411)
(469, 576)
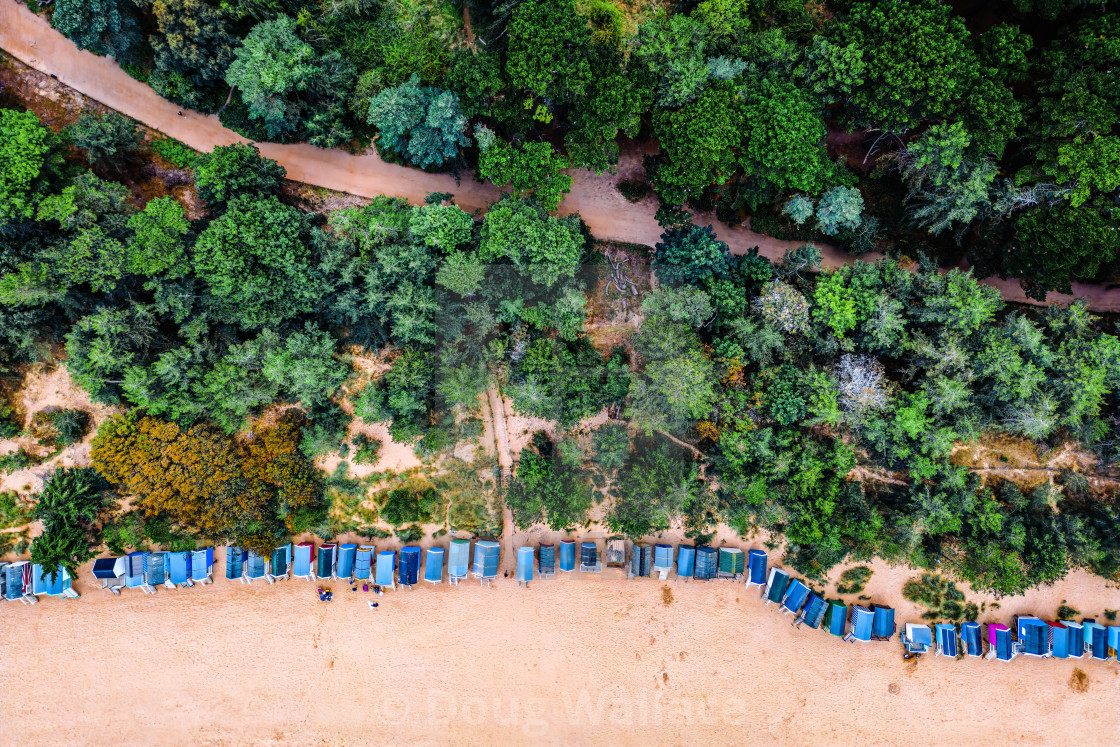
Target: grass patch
(853, 580)
(941, 598)
(15, 461)
(175, 152)
(1065, 612)
(14, 511)
(366, 450)
(472, 501)
(1110, 615)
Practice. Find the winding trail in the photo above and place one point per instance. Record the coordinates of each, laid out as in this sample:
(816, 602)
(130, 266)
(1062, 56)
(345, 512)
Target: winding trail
(30, 38)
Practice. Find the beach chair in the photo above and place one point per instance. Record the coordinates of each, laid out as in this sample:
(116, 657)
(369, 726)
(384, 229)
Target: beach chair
(566, 557)
(344, 567)
(236, 557)
(253, 568)
(179, 570)
(202, 566)
(486, 556)
(776, 584)
(589, 561)
(433, 565)
(280, 564)
(363, 562)
(756, 568)
(410, 566)
(731, 563)
(546, 561)
(303, 555)
(662, 561)
(384, 569)
(458, 560)
(109, 573)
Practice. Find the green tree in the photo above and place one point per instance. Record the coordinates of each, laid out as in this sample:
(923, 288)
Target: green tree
(102, 345)
(691, 255)
(654, 487)
(104, 27)
(840, 209)
(69, 506)
(256, 261)
(548, 53)
(29, 159)
(232, 170)
(672, 48)
(103, 137)
(304, 367)
(158, 244)
(422, 124)
(547, 248)
(783, 138)
(194, 39)
(532, 170)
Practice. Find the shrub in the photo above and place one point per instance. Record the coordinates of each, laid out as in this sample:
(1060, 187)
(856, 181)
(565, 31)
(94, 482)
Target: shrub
(59, 428)
(633, 189)
(15, 461)
(366, 450)
(941, 598)
(175, 152)
(853, 580)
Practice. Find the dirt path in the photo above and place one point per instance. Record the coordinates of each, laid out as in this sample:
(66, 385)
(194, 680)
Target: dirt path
(31, 39)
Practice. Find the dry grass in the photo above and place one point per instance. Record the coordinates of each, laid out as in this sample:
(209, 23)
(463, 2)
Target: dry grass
(666, 596)
(1079, 681)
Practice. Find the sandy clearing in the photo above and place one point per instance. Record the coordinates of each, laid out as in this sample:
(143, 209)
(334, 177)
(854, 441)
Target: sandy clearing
(30, 38)
(567, 660)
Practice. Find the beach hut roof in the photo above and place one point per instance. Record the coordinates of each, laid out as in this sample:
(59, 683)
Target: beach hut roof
(663, 556)
(567, 556)
(1114, 638)
(918, 638)
(947, 639)
(363, 561)
(837, 618)
(458, 558)
(108, 568)
(344, 568)
(813, 611)
(707, 565)
(972, 639)
(795, 596)
(883, 625)
(42, 583)
(302, 556)
(546, 558)
(1059, 640)
(281, 559)
(254, 566)
(641, 560)
(433, 565)
(135, 565)
(862, 620)
(486, 559)
(386, 564)
(757, 567)
(525, 563)
(732, 560)
(776, 585)
(202, 561)
(686, 561)
(235, 559)
(1034, 635)
(178, 567)
(588, 553)
(999, 638)
(157, 568)
(410, 566)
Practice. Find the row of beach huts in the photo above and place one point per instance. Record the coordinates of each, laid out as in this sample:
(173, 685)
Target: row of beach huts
(1030, 636)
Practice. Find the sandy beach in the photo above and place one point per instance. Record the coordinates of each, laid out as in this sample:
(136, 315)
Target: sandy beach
(571, 659)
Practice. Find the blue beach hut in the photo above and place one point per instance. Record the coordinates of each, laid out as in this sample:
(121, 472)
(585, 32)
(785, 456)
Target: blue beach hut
(383, 572)
(566, 560)
(882, 627)
(433, 565)
(409, 572)
(486, 554)
(303, 555)
(253, 568)
(324, 569)
(812, 614)
(363, 562)
(1059, 640)
(917, 639)
(179, 569)
(109, 573)
(344, 566)
(58, 586)
(524, 565)
(235, 561)
(17, 582)
(756, 568)
(662, 560)
(1075, 638)
(837, 619)
(589, 561)
(796, 594)
(946, 638)
(1034, 637)
(546, 560)
(1096, 639)
(972, 639)
(135, 574)
(775, 589)
(706, 563)
(458, 560)
(862, 620)
(1000, 644)
(686, 562)
(202, 565)
(280, 564)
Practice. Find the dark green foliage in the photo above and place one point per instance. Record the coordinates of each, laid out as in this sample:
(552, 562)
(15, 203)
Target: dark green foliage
(550, 487)
(366, 449)
(691, 254)
(104, 27)
(174, 152)
(69, 507)
(941, 598)
(232, 170)
(59, 427)
(410, 505)
(655, 485)
(103, 138)
(567, 381)
(15, 461)
(853, 580)
(420, 123)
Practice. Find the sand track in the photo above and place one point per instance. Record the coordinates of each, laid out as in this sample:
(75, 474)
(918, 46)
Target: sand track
(30, 38)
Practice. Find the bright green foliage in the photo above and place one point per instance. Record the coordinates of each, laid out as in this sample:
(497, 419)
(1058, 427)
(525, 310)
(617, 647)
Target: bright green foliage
(549, 487)
(1087, 165)
(686, 303)
(613, 105)
(232, 170)
(699, 142)
(691, 255)
(158, 233)
(783, 138)
(422, 124)
(462, 272)
(1004, 49)
(919, 60)
(834, 70)
(70, 505)
(28, 160)
(1080, 92)
(104, 344)
(677, 386)
(673, 50)
(256, 261)
(940, 149)
(548, 51)
(724, 21)
(547, 248)
(532, 170)
(103, 137)
(611, 446)
(104, 27)
(444, 227)
(567, 381)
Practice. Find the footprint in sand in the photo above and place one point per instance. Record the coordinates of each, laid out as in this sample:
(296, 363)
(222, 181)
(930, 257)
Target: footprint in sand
(893, 688)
